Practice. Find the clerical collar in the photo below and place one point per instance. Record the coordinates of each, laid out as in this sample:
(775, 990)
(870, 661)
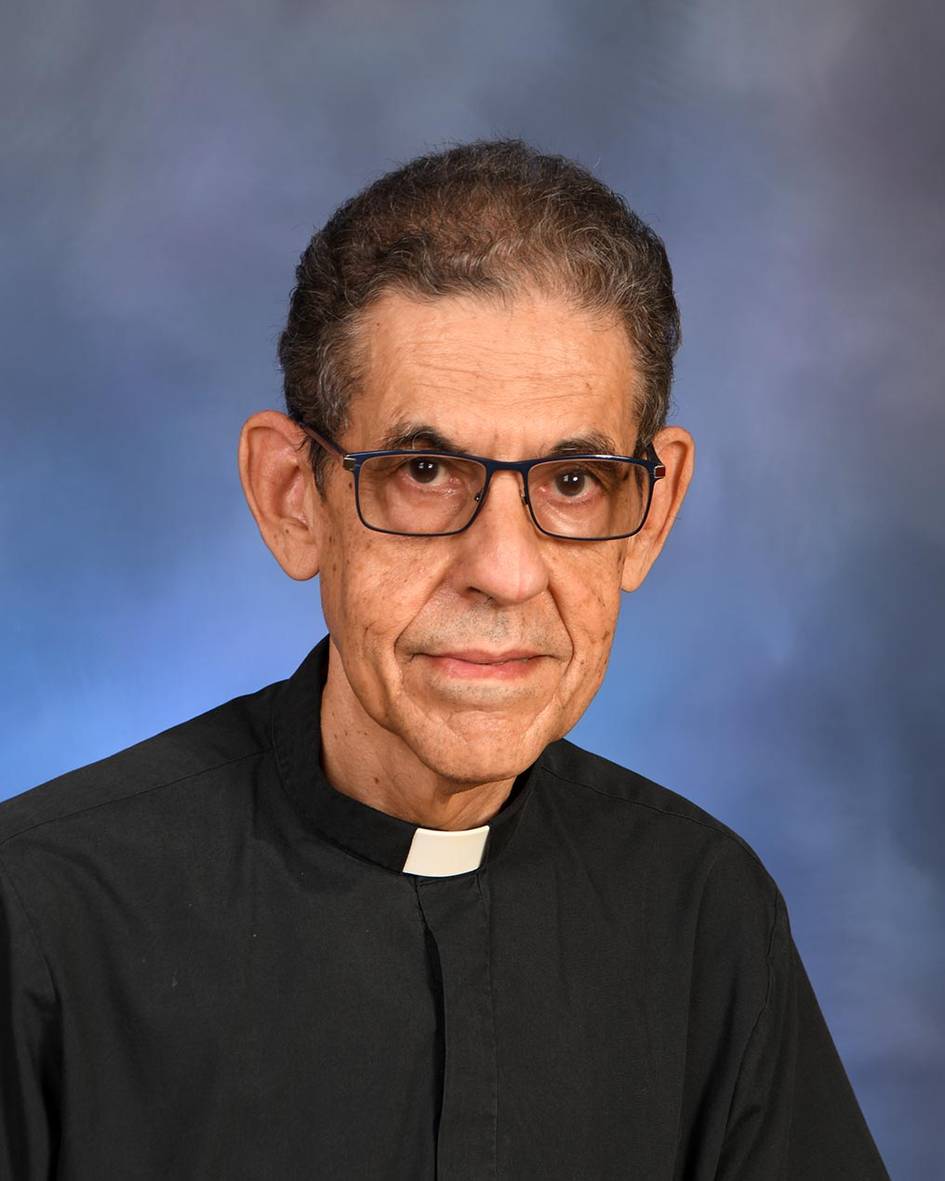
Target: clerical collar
(355, 826)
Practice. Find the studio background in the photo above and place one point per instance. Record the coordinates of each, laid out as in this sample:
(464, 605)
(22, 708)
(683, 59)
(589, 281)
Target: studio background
(782, 666)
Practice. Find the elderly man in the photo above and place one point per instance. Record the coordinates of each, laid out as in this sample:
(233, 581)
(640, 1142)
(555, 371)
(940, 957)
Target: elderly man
(380, 919)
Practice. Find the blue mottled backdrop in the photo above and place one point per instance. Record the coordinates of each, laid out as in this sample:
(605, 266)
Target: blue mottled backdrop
(164, 165)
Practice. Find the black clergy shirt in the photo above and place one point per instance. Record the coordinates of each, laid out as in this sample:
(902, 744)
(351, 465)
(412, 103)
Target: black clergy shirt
(214, 965)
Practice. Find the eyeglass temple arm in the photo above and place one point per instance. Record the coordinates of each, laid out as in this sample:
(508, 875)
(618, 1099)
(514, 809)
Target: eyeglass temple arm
(659, 468)
(326, 444)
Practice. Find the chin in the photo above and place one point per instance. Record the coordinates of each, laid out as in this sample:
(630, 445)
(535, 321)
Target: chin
(479, 754)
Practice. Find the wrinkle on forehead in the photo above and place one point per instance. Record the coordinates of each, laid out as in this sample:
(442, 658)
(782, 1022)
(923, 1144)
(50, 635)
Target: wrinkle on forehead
(464, 358)
(534, 395)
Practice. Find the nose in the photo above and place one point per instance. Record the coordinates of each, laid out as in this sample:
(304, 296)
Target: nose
(502, 554)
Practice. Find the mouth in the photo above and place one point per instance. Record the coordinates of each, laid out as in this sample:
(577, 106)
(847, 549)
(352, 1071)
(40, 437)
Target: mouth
(474, 663)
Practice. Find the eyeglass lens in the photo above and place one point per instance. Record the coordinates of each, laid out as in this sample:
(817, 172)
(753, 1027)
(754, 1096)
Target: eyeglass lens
(576, 498)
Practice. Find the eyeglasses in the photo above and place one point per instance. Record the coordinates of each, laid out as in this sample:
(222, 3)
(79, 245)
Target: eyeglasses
(425, 493)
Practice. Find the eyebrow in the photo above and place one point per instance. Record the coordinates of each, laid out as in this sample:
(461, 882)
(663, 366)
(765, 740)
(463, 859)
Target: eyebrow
(406, 435)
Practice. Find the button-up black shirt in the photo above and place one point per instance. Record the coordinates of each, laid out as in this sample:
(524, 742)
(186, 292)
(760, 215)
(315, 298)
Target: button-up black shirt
(214, 965)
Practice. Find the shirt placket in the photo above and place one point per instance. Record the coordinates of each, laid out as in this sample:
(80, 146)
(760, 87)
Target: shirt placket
(455, 911)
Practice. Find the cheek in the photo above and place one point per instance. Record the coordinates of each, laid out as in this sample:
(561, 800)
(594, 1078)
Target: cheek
(589, 602)
(371, 590)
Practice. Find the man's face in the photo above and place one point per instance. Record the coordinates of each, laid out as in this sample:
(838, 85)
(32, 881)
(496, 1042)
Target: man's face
(402, 611)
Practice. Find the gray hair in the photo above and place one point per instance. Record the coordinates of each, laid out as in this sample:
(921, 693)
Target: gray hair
(490, 217)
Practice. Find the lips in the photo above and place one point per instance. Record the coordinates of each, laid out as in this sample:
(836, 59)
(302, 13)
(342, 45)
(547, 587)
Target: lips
(478, 664)
(479, 656)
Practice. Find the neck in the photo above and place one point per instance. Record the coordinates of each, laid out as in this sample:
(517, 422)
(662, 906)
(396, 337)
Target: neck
(363, 760)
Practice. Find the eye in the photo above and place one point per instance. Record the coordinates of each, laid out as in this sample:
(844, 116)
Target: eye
(572, 482)
(423, 470)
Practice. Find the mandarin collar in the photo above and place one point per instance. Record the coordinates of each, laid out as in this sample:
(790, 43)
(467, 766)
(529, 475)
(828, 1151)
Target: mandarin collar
(355, 826)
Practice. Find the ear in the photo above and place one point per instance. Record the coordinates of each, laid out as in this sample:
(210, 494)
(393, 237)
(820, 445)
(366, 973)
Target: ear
(677, 451)
(279, 487)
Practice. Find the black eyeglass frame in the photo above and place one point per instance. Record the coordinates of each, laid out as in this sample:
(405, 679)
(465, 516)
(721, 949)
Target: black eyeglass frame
(351, 461)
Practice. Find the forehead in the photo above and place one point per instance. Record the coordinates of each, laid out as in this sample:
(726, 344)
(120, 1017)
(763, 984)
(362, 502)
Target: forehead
(521, 374)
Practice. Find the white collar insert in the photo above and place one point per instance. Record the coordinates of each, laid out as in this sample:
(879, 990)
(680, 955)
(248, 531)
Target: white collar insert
(439, 853)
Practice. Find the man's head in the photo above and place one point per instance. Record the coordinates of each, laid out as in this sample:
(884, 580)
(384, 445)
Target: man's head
(507, 303)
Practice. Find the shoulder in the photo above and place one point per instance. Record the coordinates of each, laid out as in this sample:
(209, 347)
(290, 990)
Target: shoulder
(683, 846)
(582, 769)
(142, 775)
